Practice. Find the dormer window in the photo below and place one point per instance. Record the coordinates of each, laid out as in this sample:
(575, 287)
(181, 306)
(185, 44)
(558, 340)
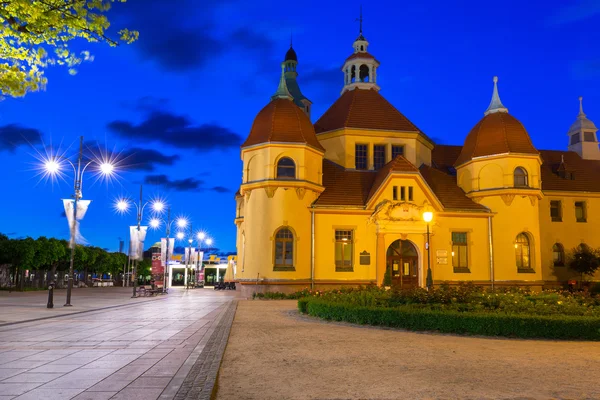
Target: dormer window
(520, 176)
(286, 168)
(566, 175)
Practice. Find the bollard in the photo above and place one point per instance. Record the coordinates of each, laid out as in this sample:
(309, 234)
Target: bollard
(50, 295)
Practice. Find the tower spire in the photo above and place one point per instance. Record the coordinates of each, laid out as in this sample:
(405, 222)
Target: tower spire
(282, 90)
(291, 38)
(495, 105)
(361, 19)
(581, 113)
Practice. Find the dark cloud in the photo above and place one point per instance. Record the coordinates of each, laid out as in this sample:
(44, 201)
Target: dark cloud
(14, 135)
(182, 185)
(327, 76)
(177, 131)
(182, 38)
(146, 159)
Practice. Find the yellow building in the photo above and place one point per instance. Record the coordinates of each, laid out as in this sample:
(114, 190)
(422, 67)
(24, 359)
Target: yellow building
(342, 201)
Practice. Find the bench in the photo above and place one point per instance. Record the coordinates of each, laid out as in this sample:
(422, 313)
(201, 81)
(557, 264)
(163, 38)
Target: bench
(144, 290)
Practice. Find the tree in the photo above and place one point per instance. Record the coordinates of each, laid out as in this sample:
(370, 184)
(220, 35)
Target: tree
(584, 260)
(32, 28)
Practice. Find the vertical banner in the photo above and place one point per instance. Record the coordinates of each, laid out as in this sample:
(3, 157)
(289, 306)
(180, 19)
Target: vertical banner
(163, 249)
(141, 238)
(137, 242)
(82, 207)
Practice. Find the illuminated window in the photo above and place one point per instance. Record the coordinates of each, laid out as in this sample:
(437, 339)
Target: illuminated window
(520, 177)
(343, 250)
(286, 168)
(284, 248)
(522, 252)
(558, 255)
(378, 156)
(361, 156)
(459, 250)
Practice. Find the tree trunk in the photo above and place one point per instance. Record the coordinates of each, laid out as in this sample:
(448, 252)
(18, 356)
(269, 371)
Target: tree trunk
(22, 276)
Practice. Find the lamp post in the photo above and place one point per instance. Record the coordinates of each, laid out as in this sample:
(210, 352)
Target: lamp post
(53, 166)
(123, 206)
(155, 223)
(427, 217)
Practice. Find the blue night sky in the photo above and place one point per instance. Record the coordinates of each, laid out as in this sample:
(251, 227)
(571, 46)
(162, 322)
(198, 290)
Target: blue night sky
(180, 101)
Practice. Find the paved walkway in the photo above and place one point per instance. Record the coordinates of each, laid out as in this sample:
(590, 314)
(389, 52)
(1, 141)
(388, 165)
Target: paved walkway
(273, 353)
(136, 349)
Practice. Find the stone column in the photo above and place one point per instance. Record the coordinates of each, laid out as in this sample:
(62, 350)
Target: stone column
(381, 258)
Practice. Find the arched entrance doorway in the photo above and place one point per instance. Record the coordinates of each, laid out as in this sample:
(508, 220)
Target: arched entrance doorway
(403, 263)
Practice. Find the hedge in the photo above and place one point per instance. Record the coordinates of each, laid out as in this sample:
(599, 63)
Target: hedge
(488, 324)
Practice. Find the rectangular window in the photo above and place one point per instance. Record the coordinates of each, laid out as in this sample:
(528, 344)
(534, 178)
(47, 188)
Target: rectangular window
(576, 138)
(589, 137)
(580, 211)
(378, 156)
(556, 210)
(459, 250)
(410, 193)
(343, 250)
(397, 151)
(361, 156)
(402, 193)
(395, 193)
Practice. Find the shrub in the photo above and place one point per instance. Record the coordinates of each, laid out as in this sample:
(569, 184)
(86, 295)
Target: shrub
(415, 317)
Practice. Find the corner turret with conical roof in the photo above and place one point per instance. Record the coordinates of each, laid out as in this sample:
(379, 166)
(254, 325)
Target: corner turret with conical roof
(582, 136)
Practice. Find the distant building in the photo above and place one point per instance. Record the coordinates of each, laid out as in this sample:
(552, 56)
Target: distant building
(341, 202)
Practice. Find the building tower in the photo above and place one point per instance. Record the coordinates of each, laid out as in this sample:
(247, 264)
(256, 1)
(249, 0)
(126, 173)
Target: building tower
(360, 69)
(582, 136)
(290, 64)
(282, 164)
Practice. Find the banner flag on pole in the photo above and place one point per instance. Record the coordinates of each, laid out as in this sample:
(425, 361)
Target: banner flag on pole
(82, 207)
(163, 249)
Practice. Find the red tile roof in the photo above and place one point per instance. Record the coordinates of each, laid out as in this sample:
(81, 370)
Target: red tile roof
(447, 191)
(361, 55)
(496, 133)
(399, 164)
(365, 109)
(344, 187)
(282, 121)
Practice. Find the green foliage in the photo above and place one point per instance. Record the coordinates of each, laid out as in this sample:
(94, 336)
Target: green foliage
(450, 321)
(584, 260)
(387, 277)
(30, 30)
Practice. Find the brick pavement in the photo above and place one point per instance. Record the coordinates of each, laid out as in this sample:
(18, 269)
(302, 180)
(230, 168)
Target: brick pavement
(147, 350)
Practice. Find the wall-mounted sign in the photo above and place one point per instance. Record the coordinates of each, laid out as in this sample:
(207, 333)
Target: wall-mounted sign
(365, 258)
(442, 260)
(441, 253)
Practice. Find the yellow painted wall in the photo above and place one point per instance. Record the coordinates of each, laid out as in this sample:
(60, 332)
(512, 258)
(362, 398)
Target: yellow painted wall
(498, 172)
(569, 232)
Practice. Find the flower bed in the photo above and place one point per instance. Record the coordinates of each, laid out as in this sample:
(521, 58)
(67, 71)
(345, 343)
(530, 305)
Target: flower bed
(464, 309)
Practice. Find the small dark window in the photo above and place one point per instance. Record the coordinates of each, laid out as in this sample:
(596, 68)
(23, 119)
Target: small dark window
(397, 151)
(378, 156)
(410, 193)
(576, 138)
(402, 193)
(361, 156)
(558, 255)
(362, 48)
(286, 168)
(395, 193)
(580, 211)
(556, 210)
(589, 137)
(520, 177)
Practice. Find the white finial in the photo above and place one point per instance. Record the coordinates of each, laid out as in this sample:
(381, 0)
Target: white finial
(581, 113)
(495, 105)
(562, 158)
(282, 90)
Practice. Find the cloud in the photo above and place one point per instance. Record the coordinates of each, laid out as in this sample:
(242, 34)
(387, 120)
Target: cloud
(579, 10)
(177, 131)
(13, 136)
(182, 185)
(146, 159)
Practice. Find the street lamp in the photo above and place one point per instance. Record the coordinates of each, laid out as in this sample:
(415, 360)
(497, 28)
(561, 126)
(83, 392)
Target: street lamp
(427, 217)
(123, 206)
(155, 224)
(53, 166)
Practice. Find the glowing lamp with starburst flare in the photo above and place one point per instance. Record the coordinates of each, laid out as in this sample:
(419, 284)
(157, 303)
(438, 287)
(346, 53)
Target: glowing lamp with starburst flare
(201, 236)
(182, 222)
(180, 235)
(154, 223)
(122, 205)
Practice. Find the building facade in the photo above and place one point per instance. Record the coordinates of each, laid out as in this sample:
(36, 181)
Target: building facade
(341, 201)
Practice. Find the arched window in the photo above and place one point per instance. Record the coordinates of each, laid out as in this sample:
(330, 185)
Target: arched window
(520, 177)
(522, 251)
(286, 168)
(364, 73)
(284, 249)
(558, 255)
(353, 74)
